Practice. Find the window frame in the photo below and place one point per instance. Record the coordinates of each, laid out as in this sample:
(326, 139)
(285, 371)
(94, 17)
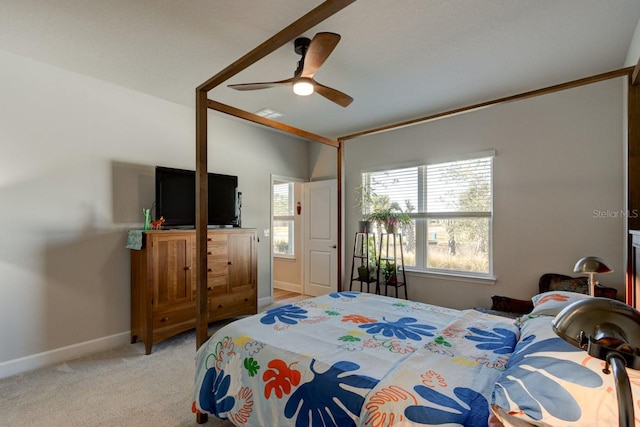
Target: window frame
(291, 218)
(420, 219)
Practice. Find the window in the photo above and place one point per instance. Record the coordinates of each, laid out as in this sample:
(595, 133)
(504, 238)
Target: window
(283, 218)
(451, 210)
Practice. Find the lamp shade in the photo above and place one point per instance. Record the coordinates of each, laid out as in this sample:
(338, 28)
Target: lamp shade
(610, 323)
(591, 264)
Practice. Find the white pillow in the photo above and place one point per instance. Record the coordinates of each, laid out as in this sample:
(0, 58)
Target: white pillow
(551, 303)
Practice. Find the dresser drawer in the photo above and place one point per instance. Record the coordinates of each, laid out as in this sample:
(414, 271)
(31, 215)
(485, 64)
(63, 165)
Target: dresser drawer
(174, 316)
(217, 285)
(234, 304)
(217, 245)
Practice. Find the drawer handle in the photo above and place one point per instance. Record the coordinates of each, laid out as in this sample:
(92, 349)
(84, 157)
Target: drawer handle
(209, 288)
(208, 253)
(220, 306)
(209, 239)
(209, 270)
(229, 263)
(164, 319)
(246, 299)
(187, 268)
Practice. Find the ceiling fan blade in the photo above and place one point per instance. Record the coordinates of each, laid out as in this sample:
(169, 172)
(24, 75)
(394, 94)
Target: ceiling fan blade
(265, 85)
(319, 50)
(342, 99)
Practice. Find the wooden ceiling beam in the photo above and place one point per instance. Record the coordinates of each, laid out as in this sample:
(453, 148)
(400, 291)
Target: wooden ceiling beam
(310, 20)
(556, 88)
(241, 114)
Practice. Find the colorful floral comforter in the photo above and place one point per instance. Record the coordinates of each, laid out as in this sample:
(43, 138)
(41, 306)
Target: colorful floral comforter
(354, 359)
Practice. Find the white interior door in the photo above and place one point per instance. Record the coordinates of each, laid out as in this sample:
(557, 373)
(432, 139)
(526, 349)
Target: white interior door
(321, 237)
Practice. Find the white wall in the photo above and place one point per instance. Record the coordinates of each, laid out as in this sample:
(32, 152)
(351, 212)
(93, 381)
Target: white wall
(634, 49)
(559, 158)
(75, 171)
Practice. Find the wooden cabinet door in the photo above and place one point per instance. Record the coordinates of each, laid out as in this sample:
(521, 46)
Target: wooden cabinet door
(173, 278)
(242, 261)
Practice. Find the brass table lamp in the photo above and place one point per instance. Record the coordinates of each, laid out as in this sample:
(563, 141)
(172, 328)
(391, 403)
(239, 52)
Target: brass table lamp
(591, 265)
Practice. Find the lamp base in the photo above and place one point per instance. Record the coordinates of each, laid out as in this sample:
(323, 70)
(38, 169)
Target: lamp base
(626, 414)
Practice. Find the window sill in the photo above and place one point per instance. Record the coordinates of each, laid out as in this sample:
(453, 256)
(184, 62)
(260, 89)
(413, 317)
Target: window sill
(285, 257)
(454, 277)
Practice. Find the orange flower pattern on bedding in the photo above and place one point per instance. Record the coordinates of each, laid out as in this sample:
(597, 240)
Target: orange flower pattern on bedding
(280, 378)
(380, 416)
(553, 297)
(357, 318)
(432, 378)
(244, 399)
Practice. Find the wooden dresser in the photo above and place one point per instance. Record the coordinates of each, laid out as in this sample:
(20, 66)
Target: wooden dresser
(163, 281)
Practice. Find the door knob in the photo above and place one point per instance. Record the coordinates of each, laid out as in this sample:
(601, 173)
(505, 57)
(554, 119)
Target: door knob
(334, 246)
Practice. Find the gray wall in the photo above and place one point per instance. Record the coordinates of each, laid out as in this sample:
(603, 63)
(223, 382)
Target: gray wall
(559, 159)
(76, 169)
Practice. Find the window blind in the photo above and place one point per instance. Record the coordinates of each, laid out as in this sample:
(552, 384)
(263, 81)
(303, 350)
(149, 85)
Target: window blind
(463, 186)
(283, 199)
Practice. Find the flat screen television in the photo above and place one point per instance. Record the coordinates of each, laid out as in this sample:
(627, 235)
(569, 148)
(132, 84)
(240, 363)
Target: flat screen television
(176, 198)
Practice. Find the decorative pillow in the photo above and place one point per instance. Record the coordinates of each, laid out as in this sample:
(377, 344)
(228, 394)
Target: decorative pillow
(551, 303)
(513, 305)
(550, 382)
(579, 285)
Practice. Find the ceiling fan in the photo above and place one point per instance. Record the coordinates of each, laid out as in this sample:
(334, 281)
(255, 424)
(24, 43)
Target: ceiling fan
(314, 53)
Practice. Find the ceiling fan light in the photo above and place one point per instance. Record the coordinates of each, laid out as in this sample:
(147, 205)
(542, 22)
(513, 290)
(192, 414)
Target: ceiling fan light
(303, 87)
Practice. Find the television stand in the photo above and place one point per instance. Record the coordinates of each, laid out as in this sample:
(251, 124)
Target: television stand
(163, 281)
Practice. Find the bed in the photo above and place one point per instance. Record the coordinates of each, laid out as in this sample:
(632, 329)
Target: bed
(359, 359)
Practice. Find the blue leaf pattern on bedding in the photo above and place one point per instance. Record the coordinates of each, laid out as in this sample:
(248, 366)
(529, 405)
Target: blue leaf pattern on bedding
(474, 413)
(213, 393)
(286, 314)
(401, 328)
(531, 390)
(501, 341)
(347, 294)
(320, 401)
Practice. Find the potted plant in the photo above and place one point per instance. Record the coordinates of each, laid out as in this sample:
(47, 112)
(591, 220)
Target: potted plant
(389, 271)
(390, 218)
(367, 273)
(368, 268)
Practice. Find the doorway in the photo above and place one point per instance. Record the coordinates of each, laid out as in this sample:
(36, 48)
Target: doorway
(286, 234)
(303, 236)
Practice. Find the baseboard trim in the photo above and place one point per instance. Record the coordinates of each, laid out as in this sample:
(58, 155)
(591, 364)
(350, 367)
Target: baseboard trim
(58, 355)
(265, 301)
(286, 286)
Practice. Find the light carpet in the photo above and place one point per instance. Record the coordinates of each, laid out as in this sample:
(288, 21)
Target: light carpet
(119, 387)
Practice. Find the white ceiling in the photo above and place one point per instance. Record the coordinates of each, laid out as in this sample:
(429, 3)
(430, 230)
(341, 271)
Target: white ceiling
(399, 59)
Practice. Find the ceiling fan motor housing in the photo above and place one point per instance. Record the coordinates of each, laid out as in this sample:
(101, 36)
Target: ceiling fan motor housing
(301, 44)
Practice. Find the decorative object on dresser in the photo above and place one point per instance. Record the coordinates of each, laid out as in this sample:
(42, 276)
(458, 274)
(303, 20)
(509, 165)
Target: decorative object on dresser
(163, 281)
(147, 218)
(591, 265)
